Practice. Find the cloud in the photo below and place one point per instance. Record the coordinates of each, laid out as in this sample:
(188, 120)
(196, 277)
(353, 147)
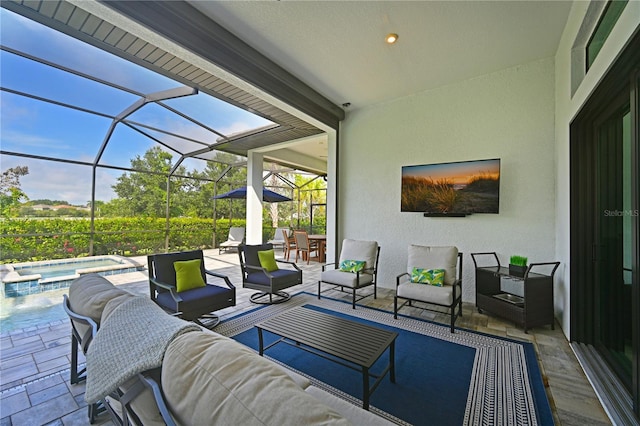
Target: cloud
(26, 139)
(61, 181)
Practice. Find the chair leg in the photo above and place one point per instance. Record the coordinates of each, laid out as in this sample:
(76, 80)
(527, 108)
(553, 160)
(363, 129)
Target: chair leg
(94, 410)
(75, 376)
(395, 307)
(319, 289)
(453, 318)
(353, 303)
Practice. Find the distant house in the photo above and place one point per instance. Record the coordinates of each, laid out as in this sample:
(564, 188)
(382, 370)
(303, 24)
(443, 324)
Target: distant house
(42, 207)
(62, 206)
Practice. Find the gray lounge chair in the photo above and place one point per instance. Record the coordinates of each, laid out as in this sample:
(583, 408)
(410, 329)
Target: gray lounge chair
(234, 240)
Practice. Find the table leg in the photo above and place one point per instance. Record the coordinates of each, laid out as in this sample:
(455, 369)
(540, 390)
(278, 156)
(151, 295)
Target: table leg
(260, 342)
(365, 388)
(392, 361)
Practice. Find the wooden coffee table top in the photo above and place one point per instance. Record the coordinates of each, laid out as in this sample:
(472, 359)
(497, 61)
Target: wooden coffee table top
(349, 340)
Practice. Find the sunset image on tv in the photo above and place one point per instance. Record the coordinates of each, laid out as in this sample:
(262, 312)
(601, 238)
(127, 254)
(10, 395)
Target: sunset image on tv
(461, 187)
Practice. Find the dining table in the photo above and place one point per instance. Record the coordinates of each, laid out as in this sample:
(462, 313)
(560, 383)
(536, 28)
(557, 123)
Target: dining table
(321, 240)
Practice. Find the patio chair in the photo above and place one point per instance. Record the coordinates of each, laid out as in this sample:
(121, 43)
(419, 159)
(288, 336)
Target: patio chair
(83, 329)
(279, 237)
(289, 244)
(305, 248)
(357, 268)
(433, 277)
(260, 271)
(178, 282)
(235, 238)
(90, 297)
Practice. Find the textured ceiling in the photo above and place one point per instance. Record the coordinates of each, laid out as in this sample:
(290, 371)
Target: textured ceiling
(337, 47)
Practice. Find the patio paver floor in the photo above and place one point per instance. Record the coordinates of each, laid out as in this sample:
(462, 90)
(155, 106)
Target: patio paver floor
(34, 370)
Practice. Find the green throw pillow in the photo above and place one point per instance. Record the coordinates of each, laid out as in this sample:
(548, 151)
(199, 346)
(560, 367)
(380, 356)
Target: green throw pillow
(188, 275)
(428, 276)
(352, 265)
(268, 260)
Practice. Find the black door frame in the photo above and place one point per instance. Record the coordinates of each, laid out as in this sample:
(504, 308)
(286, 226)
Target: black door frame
(620, 81)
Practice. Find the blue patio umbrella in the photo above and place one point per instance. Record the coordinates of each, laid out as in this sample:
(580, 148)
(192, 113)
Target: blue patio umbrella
(241, 193)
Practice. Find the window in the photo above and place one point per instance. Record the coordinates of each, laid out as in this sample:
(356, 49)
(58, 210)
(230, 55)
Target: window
(607, 21)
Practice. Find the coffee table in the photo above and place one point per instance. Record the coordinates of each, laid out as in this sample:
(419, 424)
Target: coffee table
(349, 343)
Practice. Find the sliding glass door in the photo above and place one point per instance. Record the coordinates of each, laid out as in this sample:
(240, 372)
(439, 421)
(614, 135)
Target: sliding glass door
(605, 227)
(613, 246)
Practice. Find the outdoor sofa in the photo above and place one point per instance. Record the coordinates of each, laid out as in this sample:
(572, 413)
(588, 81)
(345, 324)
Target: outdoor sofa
(207, 378)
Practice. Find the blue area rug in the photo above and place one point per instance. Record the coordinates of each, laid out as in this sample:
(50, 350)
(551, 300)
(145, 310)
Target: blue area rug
(465, 378)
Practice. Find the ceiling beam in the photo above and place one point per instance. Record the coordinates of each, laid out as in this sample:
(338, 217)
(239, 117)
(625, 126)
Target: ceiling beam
(190, 28)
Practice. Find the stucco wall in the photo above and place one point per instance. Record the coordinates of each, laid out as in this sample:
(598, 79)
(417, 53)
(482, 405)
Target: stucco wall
(508, 115)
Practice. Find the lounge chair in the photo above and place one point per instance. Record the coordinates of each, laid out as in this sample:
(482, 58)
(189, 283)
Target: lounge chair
(235, 238)
(279, 237)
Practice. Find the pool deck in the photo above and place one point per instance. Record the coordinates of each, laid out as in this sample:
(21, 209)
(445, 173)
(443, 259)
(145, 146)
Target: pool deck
(34, 370)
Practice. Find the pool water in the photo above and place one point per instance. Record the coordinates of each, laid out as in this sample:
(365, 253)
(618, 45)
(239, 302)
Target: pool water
(64, 269)
(31, 311)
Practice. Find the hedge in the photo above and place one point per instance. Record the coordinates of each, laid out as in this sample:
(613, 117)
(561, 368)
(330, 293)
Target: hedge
(32, 239)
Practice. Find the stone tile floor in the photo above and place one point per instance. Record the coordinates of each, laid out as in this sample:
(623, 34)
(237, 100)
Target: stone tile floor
(34, 370)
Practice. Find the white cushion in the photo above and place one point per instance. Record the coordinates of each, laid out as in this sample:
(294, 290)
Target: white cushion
(355, 414)
(209, 379)
(300, 380)
(359, 250)
(434, 258)
(347, 279)
(89, 294)
(428, 293)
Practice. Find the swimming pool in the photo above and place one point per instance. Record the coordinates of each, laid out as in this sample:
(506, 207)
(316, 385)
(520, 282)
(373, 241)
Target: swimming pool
(50, 270)
(21, 279)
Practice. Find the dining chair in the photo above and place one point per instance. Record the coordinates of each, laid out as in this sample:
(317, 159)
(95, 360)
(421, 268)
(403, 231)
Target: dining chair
(289, 244)
(304, 248)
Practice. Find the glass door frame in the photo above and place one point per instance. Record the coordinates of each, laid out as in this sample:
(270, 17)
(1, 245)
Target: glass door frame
(621, 82)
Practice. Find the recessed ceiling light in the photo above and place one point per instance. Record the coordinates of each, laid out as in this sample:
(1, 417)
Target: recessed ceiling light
(391, 38)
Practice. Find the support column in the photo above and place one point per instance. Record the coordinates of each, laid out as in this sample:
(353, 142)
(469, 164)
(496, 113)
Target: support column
(254, 198)
(332, 197)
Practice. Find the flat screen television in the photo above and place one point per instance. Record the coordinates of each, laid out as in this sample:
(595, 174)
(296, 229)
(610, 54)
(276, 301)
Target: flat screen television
(457, 188)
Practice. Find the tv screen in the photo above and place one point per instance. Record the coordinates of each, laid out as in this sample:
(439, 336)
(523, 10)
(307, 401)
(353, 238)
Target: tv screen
(462, 187)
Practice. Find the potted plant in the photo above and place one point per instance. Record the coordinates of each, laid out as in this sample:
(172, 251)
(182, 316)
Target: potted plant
(517, 265)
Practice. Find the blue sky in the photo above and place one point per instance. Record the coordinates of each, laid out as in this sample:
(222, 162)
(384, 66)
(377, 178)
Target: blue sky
(40, 128)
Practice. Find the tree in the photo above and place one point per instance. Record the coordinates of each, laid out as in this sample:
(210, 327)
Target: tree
(312, 192)
(144, 190)
(11, 194)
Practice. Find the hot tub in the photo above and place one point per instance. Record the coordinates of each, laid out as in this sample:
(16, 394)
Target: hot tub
(21, 279)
